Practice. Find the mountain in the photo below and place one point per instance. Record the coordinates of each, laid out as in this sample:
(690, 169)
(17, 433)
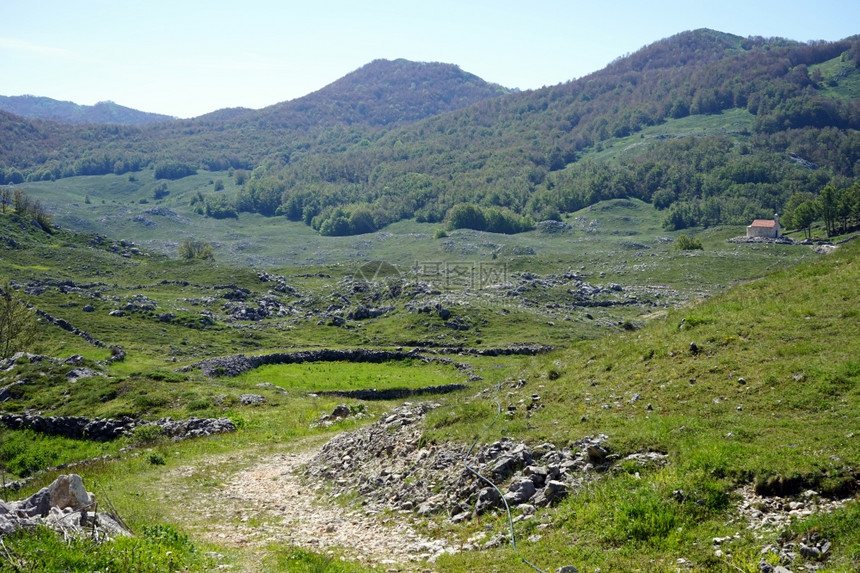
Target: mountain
(712, 127)
(381, 93)
(33, 107)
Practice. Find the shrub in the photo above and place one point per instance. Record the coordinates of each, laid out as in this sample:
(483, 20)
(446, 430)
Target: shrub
(191, 249)
(18, 328)
(688, 243)
(145, 434)
(173, 170)
(160, 191)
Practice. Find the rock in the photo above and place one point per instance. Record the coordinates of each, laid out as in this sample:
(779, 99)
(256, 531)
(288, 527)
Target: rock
(62, 506)
(503, 467)
(488, 498)
(810, 552)
(553, 491)
(68, 491)
(252, 399)
(537, 474)
(694, 348)
(38, 504)
(77, 373)
(341, 411)
(88, 308)
(567, 569)
(520, 491)
(596, 453)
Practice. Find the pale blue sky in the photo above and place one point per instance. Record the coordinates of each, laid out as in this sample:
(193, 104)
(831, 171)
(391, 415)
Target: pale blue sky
(186, 58)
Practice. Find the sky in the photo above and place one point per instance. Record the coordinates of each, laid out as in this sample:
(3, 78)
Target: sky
(185, 58)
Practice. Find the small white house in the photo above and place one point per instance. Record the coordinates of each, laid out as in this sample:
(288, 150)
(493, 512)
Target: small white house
(766, 228)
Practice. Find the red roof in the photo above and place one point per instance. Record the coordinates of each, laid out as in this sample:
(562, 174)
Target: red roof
(763, 223)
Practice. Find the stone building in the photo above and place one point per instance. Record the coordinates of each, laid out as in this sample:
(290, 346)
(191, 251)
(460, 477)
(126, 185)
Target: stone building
(766, 228)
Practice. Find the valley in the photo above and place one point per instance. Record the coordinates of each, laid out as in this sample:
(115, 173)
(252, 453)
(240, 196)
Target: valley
(455, 328)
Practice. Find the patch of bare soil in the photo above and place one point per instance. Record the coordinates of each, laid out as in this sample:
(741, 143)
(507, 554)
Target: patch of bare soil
(267, 503)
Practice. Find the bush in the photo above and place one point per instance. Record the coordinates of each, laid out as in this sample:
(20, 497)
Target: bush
(18, 328)
(173, 170)
(687, 243)
(160, 191)
(191, 249)
(145, 434)
(492, 219)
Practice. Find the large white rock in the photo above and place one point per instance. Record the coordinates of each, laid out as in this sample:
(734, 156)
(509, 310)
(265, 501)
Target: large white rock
(68, 491)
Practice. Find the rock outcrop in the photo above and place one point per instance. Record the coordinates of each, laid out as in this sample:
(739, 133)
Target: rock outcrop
(392, 467)
(64, 506)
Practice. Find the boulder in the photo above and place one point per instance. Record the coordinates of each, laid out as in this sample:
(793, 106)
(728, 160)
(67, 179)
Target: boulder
(68, 491)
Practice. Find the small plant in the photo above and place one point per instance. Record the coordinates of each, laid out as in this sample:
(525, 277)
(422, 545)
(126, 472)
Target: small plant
(440, 234)
(145, 434)
(156, 459)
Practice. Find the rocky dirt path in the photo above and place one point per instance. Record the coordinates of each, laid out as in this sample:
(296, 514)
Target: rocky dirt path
(266, 502)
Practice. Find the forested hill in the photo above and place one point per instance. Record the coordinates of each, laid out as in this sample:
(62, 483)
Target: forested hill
(382, 93)
(33, 107)
(711, 127)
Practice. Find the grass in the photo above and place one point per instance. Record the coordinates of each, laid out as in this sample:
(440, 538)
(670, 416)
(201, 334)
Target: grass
(327, 376)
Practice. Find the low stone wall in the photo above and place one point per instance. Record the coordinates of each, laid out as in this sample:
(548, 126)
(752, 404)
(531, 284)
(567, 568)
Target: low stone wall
(240, 363)
(393, 393)
(103, 429)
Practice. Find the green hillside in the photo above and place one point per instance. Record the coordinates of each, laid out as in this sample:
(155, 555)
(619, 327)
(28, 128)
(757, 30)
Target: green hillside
(734, 127)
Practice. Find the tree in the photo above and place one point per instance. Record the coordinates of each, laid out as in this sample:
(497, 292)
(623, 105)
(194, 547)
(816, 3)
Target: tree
(5, 198)
(160, 191)
(466, 216)
(191, 249)
(361, 221)
(804, 215)
(17, 324)
(827, 203)
(173, 170)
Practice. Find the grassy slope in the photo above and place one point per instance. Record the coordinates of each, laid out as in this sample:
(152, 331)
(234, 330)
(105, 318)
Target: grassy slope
(794, 338)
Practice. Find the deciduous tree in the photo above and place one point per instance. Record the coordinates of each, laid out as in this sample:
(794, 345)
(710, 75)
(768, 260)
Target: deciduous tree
(18, 327)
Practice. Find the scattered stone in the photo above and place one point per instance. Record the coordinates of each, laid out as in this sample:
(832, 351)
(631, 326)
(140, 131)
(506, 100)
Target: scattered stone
(252, 399)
